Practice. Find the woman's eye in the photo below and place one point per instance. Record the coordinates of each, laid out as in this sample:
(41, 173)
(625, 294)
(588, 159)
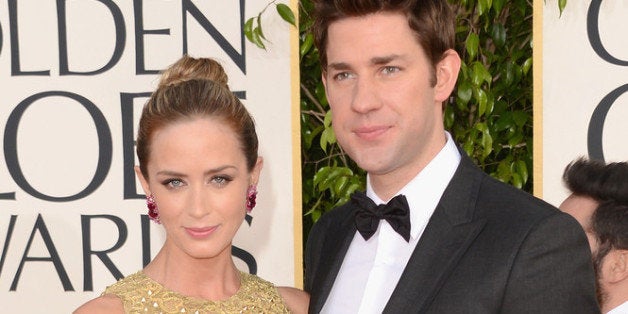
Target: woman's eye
(174, 183)
(221, 180)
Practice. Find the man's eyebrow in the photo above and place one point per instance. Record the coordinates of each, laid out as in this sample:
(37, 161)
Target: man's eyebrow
(338, 66)
(384, 59)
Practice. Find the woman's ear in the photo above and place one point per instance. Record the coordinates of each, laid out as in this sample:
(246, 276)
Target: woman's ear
(446, 75)
(143, 181)
(257, 169)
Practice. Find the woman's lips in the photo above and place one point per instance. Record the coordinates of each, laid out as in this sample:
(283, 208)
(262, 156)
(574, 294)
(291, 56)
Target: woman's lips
(201, 232)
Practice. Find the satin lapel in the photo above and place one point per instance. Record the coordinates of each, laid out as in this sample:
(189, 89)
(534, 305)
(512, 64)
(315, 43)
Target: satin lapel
(337, 243)
(450, 231)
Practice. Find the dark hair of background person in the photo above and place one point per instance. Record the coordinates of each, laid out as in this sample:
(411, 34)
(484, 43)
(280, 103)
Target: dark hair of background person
(607, 184)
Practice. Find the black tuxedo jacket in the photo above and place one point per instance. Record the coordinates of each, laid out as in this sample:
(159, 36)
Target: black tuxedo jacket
(488, 248)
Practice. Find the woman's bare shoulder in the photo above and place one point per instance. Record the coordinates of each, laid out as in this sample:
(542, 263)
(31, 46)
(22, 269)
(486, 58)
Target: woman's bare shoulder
(107, 303)
(297, 300)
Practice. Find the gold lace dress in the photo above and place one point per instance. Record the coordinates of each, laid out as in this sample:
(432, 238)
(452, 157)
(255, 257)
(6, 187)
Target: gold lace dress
(140, 294)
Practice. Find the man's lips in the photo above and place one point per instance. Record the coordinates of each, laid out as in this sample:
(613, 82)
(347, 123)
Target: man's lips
(370, 132)
(201, 232)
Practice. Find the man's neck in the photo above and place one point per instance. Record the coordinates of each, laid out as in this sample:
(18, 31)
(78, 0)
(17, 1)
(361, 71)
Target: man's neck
(387, 185)
(615, 297)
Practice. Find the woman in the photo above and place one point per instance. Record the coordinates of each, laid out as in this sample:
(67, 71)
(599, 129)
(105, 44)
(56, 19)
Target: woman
(198, 165)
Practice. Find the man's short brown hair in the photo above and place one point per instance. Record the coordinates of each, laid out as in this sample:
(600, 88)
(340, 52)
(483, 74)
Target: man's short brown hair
(432, 21)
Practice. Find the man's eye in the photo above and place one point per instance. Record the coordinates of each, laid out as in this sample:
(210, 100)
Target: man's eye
(390, 69)
(342, 76)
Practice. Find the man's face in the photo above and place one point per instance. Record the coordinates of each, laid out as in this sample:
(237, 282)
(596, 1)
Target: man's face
(386, 114)
(582, 208)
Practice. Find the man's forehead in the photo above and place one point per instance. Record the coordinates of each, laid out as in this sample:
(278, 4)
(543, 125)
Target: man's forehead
(580, 207)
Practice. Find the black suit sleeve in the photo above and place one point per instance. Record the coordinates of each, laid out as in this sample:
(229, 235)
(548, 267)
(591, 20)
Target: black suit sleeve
(552, 272)
(313, 252)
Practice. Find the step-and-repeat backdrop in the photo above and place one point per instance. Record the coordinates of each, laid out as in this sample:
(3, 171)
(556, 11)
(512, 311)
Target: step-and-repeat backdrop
(584, 91)
(74, 76)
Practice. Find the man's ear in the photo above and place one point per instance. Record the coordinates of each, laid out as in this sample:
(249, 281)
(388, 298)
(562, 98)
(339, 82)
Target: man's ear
(446, 75)
(619, 265)
(615, 266)
(143, 181)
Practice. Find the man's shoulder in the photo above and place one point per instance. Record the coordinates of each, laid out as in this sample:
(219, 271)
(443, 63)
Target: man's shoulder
(504, 203)
(508, 197)
(505, 206)
(335, 216)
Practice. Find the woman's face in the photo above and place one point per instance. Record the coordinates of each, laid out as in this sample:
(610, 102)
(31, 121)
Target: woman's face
(198, 175)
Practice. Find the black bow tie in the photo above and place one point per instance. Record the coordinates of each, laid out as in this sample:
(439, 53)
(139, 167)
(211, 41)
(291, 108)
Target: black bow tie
(367, 217)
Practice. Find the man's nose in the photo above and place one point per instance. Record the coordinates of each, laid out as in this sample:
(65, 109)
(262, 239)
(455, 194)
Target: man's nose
(365, 96)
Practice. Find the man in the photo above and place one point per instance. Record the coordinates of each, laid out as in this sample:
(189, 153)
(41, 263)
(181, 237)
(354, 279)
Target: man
(599, 201)
(474, 245)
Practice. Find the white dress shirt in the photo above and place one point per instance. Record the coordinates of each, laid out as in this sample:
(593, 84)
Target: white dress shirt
(622, 309)
(371, 269)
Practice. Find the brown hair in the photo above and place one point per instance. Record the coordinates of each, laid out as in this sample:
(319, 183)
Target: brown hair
(607, 184)
(192, 88)
(432, 21)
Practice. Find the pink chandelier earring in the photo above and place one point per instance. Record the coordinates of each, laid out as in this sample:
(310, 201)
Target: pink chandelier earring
(153, 211)
(251, 195)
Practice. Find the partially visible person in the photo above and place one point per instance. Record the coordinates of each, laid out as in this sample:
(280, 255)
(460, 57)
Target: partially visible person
(198, 165)
(599, 201)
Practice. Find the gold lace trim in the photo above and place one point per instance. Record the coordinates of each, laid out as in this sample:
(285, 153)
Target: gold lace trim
(140, 294)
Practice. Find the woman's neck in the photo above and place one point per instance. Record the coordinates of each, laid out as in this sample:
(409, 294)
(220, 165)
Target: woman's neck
(213, 279)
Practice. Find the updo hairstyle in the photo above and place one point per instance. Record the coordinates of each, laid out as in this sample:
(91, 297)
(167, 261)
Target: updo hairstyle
(195, 88)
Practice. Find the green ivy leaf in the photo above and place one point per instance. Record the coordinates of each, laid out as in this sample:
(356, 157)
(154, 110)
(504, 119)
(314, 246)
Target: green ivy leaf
(248, 29)
(520, 118)
(321, 174)
(498, 5)
(561, 6)
(257, 37)
(339, 184)
(487, 139)
(522, 170)
(465, 92)
(306, 45)
(483, 6)
(316, 215)
(327, 120)
(498, 34)
(503, 122)
(516, 139)
(327, 137)
(516, 181)
(526, 66)
(482, 99)
(480, 74)
(450, 117)
(503, 169)
(286, 14)
(472, 44)
(309, 135)
(259, 25)
(508, 74)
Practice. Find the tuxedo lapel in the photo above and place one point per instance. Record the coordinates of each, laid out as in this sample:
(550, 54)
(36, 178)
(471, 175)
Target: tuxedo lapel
(336, 245)
(450, 231)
